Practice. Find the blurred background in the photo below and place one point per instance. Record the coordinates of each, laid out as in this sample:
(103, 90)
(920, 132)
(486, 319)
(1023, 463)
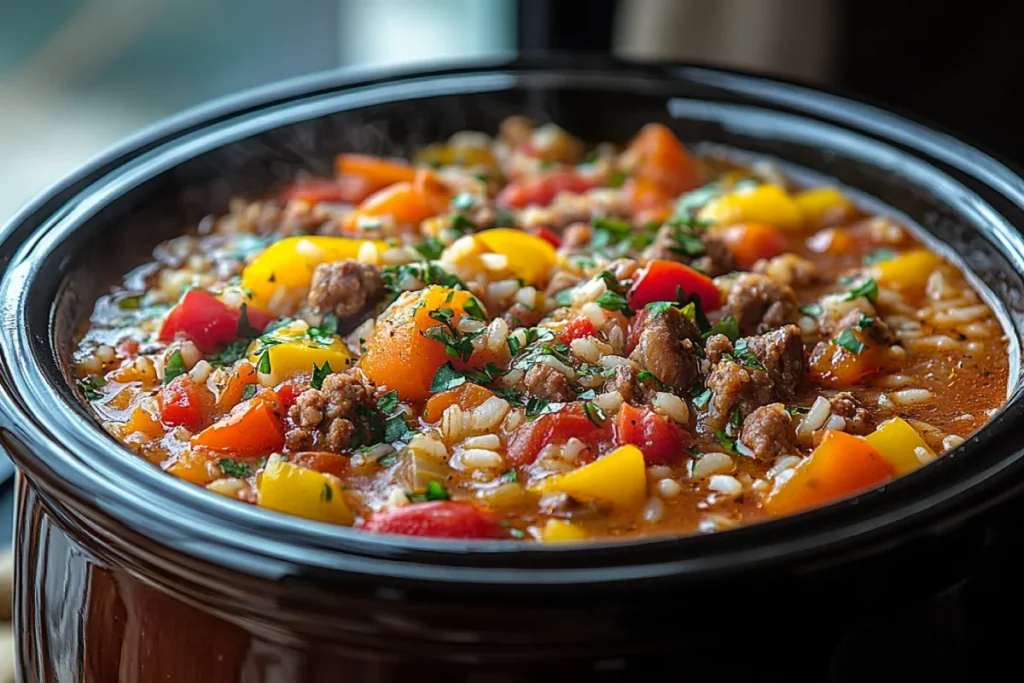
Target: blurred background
(76, 76)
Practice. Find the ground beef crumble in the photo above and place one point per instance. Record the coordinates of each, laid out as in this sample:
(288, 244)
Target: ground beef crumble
(327, 418)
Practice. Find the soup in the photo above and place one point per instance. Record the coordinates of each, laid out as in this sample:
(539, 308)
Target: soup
(527, 337)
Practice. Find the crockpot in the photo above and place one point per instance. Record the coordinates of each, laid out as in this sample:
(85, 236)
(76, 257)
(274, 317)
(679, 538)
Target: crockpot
(127, 574)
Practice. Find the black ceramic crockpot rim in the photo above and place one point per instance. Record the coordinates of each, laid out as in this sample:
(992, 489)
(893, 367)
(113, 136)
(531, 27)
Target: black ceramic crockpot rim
(72, 458)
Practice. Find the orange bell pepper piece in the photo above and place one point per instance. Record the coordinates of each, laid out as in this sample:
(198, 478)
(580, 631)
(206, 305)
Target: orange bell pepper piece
(376, 171)
(468, 396)
(404, 202)
(256, 426)
(840, 466)
(751, 242)
(399, 355)
(231, 395)
(656, 155)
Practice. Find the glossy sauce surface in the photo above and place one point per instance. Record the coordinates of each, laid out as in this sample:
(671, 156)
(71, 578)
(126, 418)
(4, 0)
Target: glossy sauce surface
(524, 337)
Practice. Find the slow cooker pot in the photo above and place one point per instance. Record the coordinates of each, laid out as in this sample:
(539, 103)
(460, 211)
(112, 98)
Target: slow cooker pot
(127, 574)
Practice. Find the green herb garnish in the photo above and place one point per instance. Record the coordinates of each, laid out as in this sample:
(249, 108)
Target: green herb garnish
(463, 201)
(320, 374)
(430, 248)
(867, 289)
(511, 476)
(594, 414)
(746, 357)
(849, 341)
(248, 392)
(435, 491)
(263, 363)
(647, 375)
(813, 310)
(879, 255)
(446, 377)
(701, 398)
(175, 367)
(245, 329)
(727, 326)
(474, 309)
(234, 468)
(131, 303)
(326, 493)
(90, 387)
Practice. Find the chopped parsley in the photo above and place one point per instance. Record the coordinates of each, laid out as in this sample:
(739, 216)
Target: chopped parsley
(388, 460)
(90, 387)
(594, 414)
(446, 377)
(612, 301)
(536, 406)
(461, 224)
(509, 395)
(245, 329)
(435, 491)
(684, 237)
(427, 273)
(231, 353)
(849, 341)
(727, 326)
(504, 219)
(867, 289)
(879, 255)
(388, 402)
(175, 367)
(659, 307)
(609, 231)
(457, 344)
(234, 468)
(509, 477)
(320, 374)
(430, 248)
(564, 298)
(813, 310)
(701, 398)
(325, 331)
(616, 179)
(694, 200)
(248, 392)
(485, 375)
(725, 441)
(326, 493)
(474, 309)
(746, 357)
(263, 363)
(463, 201)
(865, 322)
(648, 376)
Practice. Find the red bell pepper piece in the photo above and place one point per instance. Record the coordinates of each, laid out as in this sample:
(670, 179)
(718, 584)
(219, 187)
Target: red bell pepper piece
(345, 190)
(209, 322)
(665, 280)
(547, 235)
(578, 328)
(662, 441)
(436, 519)
(181, 403)
(253, 427)
(571, 421)
(540, 190)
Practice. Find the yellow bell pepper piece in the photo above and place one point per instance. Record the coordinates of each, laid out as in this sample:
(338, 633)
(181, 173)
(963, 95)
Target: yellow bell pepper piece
(897, 441)
(760, 204)
(302, 492)
(907, 271)
(289, 264)
(618, 478)
(529, 257)
(560, 530)
(446, 155)
(296, 354)
(823, 206)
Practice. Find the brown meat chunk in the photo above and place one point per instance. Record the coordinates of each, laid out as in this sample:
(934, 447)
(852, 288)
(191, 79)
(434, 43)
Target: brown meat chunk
(670, 244)
(666, 345)
(739, 383)
(874, 330)
(519, 315)
(560, 282)
(848, 407)
(624, 380)
(768, 432)
(327, 418)
(545, 382)
(734, 387)
(781, 351)
(759, 303)
(623, 268)
(346, 288)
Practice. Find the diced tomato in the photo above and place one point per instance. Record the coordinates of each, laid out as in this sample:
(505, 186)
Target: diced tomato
(547, 235)
(662, 441)
(287, 392)
(209, 322)
(664, 280)
(578, 328)
(127, 349)
(540, 190)
(436, 519)
(321, 461)
(181, 403)
(751, 242)
(571, 421)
